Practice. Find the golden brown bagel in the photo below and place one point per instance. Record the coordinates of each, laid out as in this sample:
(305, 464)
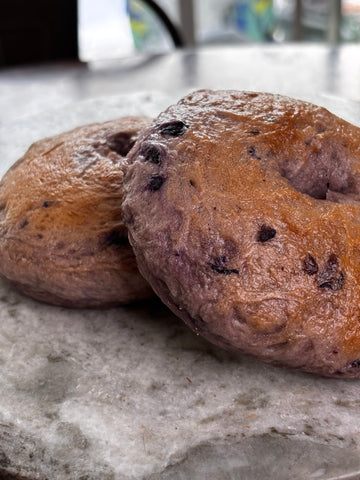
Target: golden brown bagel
(243, 210)
(62, 238)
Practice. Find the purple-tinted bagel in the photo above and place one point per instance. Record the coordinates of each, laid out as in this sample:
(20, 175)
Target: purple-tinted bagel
(243, 211)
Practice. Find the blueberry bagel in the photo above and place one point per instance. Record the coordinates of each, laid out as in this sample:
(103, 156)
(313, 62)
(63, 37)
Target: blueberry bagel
(62, 238)
(243, 211)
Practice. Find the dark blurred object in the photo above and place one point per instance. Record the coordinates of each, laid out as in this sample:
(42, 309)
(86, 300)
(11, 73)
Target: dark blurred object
(152, 29)
(38, 31)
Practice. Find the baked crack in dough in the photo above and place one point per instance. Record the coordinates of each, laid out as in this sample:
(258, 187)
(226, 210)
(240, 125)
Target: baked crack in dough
(243, 211)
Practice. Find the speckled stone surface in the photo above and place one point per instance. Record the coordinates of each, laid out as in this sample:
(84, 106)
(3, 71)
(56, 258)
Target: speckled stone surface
(132, 393)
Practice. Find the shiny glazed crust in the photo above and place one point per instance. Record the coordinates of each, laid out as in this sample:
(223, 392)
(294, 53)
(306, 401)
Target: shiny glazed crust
(243, 211)
(62, 238)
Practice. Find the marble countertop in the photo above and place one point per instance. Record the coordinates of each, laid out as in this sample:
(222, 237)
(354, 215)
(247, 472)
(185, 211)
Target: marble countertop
(131, 393)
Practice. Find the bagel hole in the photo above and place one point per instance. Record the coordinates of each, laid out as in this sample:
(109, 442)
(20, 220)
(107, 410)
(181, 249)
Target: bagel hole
(323, 176)
(116, 237)
(121, 143)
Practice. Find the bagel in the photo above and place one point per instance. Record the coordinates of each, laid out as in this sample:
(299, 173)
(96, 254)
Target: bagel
(243, 211)
(62, 238)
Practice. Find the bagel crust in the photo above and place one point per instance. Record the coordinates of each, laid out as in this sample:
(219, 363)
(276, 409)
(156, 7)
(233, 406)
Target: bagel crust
(243, 211)
(62, 238)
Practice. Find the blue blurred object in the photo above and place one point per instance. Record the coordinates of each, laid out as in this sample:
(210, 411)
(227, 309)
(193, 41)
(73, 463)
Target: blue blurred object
(254, 19)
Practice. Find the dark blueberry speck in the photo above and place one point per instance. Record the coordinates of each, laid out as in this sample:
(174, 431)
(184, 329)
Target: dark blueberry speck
(47, 203)
(334, 283)
(219, 267)
(155, 183)
(265, 233)
(355, 364)
(330, 276)
(255, 132)
(310, 265)
(174, 128)
(24, 224)
(224, 271)
(252, 152)
(151, 154)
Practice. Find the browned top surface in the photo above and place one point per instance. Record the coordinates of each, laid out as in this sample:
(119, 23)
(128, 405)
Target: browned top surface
(246, 167)
(62, 234)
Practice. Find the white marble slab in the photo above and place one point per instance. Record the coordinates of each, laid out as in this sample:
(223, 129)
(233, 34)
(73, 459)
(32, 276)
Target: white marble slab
(132, 393)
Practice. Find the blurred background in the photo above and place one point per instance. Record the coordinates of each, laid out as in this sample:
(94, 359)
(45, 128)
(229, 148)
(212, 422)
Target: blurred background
(92, 30)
